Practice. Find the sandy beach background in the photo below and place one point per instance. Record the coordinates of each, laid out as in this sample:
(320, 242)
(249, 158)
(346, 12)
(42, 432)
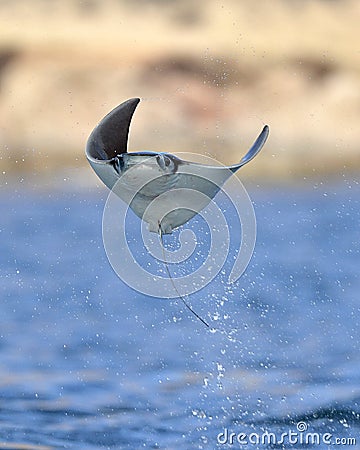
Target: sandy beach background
(209, 74)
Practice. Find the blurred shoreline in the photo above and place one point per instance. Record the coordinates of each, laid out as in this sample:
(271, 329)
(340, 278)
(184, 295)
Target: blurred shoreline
(209, 75)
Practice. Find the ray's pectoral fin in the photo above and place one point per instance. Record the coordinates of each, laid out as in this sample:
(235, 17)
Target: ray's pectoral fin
(108, 140)
(110, 137)
(254, 150)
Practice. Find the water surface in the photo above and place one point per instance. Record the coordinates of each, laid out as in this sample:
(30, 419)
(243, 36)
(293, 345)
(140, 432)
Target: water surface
(88, 363)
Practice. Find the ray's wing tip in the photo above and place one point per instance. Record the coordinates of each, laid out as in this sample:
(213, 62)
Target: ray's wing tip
(266, 130)
(134, 100)
(261, 139)
(130, 103)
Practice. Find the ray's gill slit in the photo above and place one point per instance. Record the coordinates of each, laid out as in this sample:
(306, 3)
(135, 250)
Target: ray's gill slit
(173, 282)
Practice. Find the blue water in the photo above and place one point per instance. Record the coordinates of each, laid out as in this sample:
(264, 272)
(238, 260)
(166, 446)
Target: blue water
(88, 363)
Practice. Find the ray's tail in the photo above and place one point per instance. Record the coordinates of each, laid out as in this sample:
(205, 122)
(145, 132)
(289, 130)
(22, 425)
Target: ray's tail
(174, 285)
